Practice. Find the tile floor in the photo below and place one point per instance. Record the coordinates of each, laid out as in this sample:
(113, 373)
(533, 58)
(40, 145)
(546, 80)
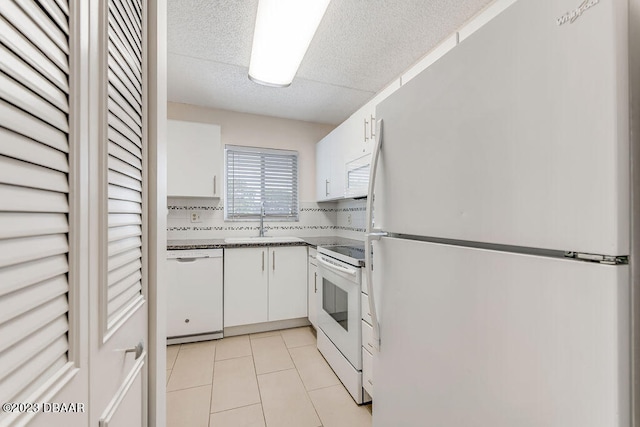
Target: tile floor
(272, 379)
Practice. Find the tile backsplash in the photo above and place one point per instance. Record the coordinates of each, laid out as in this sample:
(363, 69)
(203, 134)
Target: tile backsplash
(344, 218)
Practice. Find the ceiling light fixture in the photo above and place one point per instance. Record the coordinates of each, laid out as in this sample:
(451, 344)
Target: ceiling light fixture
(284, 29)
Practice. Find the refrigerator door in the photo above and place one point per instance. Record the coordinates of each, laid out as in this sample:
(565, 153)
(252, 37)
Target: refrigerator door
(517, 136)
(479, 338)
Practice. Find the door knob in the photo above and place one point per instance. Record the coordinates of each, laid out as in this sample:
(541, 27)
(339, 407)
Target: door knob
(138, 349)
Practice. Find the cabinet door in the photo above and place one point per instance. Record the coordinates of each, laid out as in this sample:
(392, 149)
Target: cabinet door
(245, 286)
(312, 281)
(323, 168)
(194, 159)
(287, 282)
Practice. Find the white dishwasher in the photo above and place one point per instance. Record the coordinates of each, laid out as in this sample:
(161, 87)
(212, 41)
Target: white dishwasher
(194, 297)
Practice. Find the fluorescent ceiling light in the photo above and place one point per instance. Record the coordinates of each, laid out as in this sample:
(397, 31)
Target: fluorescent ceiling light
(284, 29)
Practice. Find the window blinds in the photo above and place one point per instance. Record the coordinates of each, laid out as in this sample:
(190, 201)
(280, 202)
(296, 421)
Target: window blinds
(125, 154)
(34, 188)
(257, 175)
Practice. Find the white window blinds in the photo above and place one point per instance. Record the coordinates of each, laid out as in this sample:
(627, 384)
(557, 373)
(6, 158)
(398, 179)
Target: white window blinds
(125, 160)
(34, 188)
(258, 175)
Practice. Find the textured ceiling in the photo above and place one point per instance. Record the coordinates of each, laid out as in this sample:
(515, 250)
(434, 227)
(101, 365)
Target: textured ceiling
(359, 48)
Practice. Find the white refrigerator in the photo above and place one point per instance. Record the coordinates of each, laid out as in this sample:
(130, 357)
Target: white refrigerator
(500, 225)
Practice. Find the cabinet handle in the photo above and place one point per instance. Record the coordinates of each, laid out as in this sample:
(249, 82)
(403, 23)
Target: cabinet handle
(373, 129)
(365, 130)
(315, 283)
(273, 264)
(326, 187)
(262, 260)
(369, 381)
(215, 187)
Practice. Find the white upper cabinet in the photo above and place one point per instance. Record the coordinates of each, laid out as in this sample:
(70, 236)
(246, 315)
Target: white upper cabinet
(351, 141)
(194, 159)
(330, 166)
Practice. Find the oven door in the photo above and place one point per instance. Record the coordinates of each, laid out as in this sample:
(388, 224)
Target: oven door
(339, 307)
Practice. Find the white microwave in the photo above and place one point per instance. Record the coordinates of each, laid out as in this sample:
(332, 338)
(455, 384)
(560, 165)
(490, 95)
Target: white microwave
(357, 176)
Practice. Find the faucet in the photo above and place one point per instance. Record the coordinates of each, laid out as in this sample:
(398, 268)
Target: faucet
(262, 219)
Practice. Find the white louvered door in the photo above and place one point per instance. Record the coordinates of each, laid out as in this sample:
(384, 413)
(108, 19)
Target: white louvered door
(118, 381)
(42, 350)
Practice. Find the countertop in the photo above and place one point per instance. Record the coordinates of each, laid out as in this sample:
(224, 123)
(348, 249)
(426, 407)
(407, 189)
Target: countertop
(220, 243)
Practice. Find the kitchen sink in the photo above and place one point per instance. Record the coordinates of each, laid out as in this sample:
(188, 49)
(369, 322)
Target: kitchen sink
(265, 239)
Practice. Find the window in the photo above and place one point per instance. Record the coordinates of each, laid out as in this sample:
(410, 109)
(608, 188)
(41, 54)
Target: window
(259, 175)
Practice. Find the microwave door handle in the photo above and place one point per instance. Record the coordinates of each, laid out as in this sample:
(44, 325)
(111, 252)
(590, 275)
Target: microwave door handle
(336, 267)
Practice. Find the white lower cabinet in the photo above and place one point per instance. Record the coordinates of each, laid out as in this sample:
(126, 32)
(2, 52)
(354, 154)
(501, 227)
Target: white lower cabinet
(246, 292)
(264, 284)
(367, 372)
(287, 282)
(312, 281)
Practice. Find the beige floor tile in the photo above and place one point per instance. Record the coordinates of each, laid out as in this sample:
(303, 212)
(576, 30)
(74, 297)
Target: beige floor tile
(298, 337)
(193, 367)
(337, 409)
(313, 369)
(270, 354)
(168, 375)
(285, 401)
(231, 347)
(234, 384)
(247, 416)
(189, 407)
(264, 334)
(172, 353)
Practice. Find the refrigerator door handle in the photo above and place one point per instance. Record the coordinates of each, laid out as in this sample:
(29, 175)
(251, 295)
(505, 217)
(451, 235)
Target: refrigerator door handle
(372, 234)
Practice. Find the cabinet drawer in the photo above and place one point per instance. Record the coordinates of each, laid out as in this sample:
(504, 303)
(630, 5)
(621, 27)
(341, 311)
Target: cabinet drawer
(367, 337)
(366, 313)
(367, 372)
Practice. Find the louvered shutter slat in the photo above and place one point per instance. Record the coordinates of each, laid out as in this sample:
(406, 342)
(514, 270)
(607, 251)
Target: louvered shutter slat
(39, 38)
(121, 193)
(123, 245)
(22, 47)
(22, 199)
(23, 224)
(16, 329)
(17, 172)
(125, 21)
(124, 168)
(20, 302)
(127, 106)
(56, 14)
(45, 23)
(122, 301)
(16, 120)
(119, 220)
(25, 99)
(11, 65)
(34, 188)
(122, 43)
(117, 138)
(34, 371)
(125, 159)
(117, 178)
(23, 275)
(22, 148)
(125, 155)
(13, 358)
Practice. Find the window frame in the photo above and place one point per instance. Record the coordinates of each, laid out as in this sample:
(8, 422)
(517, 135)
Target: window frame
(246, 217)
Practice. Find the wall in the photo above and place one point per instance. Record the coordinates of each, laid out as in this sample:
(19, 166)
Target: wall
(256, 131)
(261, 131)
(345, 218)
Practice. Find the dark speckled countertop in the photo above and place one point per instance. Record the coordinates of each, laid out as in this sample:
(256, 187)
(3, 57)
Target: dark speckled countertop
(220, 243)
